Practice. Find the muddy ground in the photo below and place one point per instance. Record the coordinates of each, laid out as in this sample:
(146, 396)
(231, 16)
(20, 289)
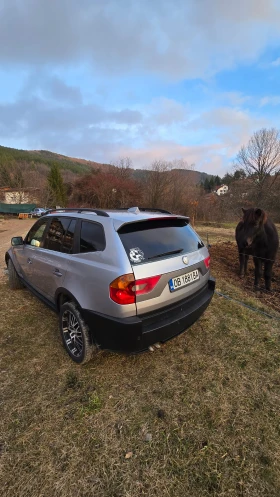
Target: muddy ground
(225, 264)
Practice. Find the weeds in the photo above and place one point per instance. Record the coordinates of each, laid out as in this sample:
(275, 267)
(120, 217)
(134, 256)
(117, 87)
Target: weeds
(93, 404)
(72, 380)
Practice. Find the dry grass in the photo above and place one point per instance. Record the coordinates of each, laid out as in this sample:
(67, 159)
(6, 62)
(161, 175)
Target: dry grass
(208, 401)
(219, 232)
(215, 235)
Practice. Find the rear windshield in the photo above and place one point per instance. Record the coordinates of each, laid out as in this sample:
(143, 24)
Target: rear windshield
(158, 239)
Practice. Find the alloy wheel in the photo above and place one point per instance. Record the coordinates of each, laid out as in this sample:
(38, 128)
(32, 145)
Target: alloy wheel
(72, 333)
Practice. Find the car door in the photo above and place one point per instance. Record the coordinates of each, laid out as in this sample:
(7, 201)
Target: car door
(53, 257)
(25, 254)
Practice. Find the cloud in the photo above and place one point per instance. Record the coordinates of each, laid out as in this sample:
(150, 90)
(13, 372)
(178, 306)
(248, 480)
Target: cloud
(234, 98)
(51, 114)
(228, 122)
(169, 150)
(175, 40)
(37, 120)
(62, 92)
(225, 118)
(223, 130)
(270, 100)
(48, 86)
(276, 62)
(165, 111)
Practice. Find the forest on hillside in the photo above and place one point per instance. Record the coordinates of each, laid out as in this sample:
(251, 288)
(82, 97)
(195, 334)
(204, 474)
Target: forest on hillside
(174, 186)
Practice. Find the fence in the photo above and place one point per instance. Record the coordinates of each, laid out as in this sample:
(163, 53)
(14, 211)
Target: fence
(16, 208)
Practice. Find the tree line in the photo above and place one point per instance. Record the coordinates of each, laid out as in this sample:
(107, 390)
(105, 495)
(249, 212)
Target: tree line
(253, 181)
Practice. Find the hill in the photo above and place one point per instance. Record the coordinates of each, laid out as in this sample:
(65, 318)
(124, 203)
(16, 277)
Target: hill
(14, 156)
(27, 161)
(194, 177)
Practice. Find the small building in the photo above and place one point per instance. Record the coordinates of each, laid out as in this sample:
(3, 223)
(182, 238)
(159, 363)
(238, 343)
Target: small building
(26, 195)
(221, 190)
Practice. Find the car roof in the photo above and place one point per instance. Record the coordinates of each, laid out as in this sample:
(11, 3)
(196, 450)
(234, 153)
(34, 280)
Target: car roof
(119, 216)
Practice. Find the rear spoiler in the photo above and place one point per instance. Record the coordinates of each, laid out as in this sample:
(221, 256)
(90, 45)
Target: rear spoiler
(119, 224)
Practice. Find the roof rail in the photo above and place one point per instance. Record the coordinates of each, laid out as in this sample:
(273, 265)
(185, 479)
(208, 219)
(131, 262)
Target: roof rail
(79, 209)
(146, 209)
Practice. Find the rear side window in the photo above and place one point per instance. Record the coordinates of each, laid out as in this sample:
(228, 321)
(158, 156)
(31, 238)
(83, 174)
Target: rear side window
(68, 240)
(60, 235)
(92, 238)
(157, 239)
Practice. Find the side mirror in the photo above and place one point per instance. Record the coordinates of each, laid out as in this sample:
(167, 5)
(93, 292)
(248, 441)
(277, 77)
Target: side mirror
(17, 240)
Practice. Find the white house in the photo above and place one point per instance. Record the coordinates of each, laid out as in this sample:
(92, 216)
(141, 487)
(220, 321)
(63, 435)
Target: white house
(221, 190)
(19, 195)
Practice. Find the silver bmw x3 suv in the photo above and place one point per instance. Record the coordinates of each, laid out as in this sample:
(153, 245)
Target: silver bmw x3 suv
(121, 280)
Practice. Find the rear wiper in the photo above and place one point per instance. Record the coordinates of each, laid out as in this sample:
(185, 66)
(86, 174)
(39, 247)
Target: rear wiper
(166, 253)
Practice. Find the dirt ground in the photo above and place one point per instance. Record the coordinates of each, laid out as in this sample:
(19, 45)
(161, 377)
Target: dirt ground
(13, 227)
(8, 229)
(225, 264)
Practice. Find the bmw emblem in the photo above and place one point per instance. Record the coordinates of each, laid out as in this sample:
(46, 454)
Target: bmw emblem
(185, 260)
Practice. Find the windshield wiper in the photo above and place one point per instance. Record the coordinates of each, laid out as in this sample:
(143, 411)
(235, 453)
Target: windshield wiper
(166, 253)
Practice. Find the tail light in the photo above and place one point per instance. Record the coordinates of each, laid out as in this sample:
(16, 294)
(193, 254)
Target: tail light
(207, 262)
(123, 290)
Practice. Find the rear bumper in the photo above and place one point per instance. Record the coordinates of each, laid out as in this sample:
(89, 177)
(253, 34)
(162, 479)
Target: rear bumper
(137, 333)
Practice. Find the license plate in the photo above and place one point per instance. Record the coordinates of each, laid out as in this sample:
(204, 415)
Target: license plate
(183, 280)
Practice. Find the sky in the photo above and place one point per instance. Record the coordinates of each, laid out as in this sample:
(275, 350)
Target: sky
(149, 80)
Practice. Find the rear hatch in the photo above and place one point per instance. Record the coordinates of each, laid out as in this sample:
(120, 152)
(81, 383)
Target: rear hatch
(169, 260)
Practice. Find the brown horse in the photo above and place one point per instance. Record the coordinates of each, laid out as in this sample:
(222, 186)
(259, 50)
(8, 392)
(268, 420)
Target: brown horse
(256, 235)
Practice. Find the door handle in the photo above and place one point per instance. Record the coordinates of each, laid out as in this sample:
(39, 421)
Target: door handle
(29, 261)
(57, 273)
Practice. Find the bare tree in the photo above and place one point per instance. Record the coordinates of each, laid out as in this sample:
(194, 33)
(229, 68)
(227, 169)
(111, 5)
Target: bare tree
(260, 159)
(157, 181)
(181, 164)
(124, 167)
(166, 184)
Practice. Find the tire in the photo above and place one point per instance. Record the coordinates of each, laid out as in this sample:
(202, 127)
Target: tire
(14, 281)
(78, 345)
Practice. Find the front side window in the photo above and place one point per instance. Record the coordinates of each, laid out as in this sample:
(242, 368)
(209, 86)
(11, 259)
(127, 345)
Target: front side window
(35, 235)
(92, 238)
(56, 234)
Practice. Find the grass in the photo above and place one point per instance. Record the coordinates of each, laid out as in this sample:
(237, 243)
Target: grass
(198, 417)
(92, 404)
(214, 234)
(224, 225)
(218, 232)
